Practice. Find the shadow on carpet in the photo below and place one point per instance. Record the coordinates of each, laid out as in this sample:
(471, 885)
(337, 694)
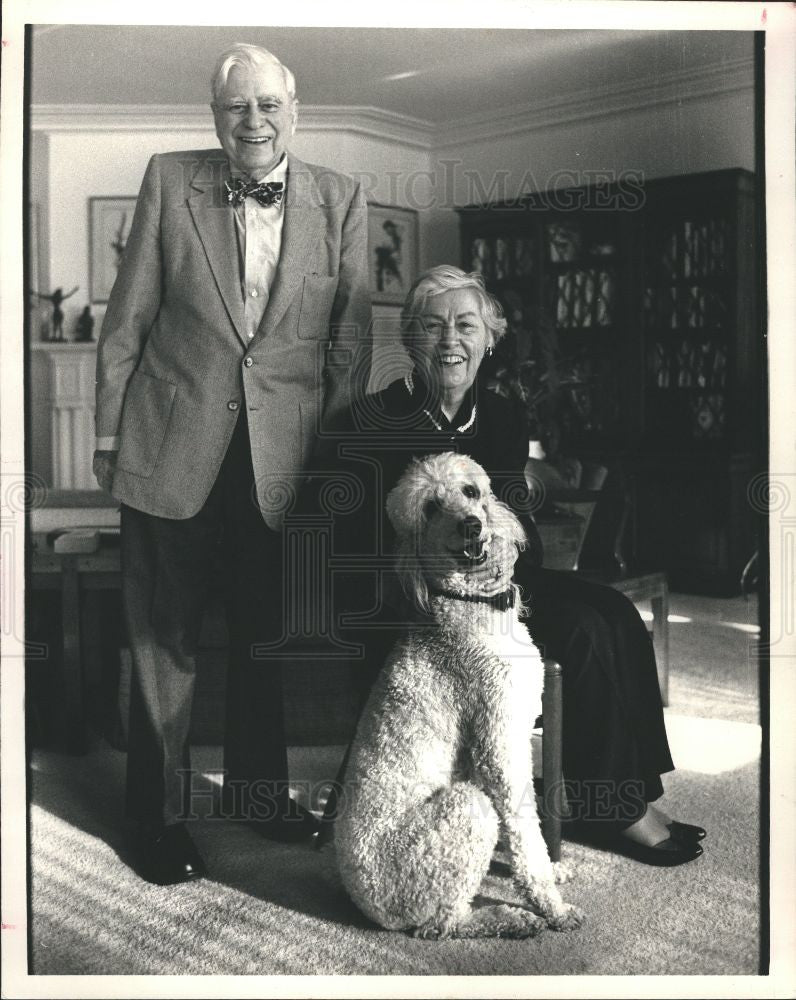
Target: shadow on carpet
(280, 909)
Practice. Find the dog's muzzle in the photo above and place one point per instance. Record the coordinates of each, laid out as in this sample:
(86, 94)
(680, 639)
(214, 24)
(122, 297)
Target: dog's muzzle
(470, 530)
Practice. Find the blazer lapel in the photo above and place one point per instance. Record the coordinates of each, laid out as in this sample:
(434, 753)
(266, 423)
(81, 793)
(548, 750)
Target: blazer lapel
(215, 224)
(303, 225)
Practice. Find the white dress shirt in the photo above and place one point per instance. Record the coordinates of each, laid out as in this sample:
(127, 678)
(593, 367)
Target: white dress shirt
(259, 231)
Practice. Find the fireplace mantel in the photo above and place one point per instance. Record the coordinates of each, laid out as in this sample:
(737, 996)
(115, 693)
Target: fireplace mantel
(66, 372)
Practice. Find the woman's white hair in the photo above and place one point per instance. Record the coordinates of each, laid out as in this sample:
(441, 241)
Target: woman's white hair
(252, 57)
(446, 278)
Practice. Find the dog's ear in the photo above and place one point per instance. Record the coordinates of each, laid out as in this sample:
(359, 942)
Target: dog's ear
(406, 505)
(406, 501)
(397, 511)
(410, 574)
(505, 522)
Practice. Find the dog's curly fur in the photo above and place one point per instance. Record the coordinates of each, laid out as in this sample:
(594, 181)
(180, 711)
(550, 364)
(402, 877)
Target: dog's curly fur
(442, 754)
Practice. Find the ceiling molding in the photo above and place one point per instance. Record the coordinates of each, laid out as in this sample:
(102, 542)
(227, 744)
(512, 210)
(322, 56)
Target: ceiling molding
(604, 102)
(391, 126)
(56, 118)
(373, 122)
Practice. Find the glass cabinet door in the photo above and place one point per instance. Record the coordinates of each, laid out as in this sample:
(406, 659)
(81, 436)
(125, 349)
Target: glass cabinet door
(686, 317)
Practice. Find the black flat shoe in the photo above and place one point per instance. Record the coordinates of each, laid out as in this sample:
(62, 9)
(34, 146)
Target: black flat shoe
(293, 825)
(167, 856)
(686, 832)
(667, 854)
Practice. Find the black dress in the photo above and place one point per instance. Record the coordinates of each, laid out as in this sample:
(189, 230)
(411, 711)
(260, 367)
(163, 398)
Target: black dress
(614, 742)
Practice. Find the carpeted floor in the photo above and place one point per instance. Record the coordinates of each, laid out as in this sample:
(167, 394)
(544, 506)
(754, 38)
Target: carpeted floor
(273, 909)
(713, 649)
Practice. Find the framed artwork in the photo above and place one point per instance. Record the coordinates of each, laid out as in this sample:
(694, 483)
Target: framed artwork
(392, 249)
(109, 222)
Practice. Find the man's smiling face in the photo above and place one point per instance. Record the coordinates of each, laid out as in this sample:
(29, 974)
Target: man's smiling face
(255, 118)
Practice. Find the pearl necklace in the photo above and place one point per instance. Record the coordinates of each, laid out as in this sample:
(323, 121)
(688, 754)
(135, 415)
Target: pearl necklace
(409, 382)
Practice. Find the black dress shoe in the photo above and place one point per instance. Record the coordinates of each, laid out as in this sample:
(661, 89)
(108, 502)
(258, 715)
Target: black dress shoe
(686, 832)
(326, 824)
(168, 856)
(666, 854)
(292, 825)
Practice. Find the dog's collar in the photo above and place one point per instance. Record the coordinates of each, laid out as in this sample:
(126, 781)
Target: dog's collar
(502, 601)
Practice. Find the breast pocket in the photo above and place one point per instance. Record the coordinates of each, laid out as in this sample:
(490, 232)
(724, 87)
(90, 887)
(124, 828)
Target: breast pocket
(317, 299)
(147, 408)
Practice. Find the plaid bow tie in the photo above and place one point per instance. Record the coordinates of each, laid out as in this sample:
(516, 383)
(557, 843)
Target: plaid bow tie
(265, 192)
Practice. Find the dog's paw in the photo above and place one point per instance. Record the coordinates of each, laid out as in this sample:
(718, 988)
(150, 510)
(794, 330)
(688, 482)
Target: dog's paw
(496, 921)
(429, 932)
(566, 918)
(437, 929)
(523, 924)
(562, 872)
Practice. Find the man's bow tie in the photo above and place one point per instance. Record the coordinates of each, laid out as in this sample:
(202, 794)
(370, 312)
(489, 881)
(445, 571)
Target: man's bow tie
(265, 192)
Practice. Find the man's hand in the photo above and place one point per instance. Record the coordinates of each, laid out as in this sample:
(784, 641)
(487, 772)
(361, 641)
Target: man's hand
(104, 467)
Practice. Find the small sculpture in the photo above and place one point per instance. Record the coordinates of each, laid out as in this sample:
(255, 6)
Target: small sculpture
(55, 299)
(85, 327)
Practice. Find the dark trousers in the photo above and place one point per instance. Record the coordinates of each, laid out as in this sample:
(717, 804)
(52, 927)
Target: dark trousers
(614, 738)
(168, 570)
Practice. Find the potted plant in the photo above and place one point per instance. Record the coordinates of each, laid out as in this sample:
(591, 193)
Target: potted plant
(527, 366)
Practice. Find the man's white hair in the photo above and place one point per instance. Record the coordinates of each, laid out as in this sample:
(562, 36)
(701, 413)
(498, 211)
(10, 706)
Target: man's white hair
(252, 57)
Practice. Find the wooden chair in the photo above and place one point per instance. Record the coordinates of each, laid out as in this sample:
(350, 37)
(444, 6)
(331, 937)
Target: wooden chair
(548, 738)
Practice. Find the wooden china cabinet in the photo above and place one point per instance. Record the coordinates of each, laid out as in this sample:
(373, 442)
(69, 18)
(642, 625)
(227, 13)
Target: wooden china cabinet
(640, 297)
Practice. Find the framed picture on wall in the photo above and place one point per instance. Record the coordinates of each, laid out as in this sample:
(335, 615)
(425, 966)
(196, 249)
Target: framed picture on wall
(109, 222)
(392, 248)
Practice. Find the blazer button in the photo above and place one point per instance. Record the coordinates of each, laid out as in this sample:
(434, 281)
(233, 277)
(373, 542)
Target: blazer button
(248, 362)
(233, 404)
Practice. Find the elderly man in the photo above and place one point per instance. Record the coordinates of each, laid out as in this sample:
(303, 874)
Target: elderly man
(226, 347)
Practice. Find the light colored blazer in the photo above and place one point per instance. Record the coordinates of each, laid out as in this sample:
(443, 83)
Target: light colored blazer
(174, 364)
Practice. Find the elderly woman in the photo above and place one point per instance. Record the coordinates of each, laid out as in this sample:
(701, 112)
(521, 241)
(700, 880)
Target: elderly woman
(615, 747)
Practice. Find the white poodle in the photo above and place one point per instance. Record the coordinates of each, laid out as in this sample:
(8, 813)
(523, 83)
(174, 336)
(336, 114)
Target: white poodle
(442, 753)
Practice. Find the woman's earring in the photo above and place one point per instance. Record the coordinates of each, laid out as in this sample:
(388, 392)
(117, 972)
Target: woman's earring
(490, 351)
